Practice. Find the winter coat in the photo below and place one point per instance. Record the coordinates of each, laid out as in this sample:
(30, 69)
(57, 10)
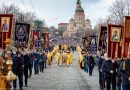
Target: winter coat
(17, 66)
(107, 66)
(124, 71)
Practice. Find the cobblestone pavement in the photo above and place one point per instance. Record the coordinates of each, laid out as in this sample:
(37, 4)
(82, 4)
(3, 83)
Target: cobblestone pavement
(63, 78)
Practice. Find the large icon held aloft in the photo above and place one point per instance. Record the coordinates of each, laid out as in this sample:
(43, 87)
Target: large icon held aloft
(21, 34)
(115, 34)
(5, 21)
(102, 39)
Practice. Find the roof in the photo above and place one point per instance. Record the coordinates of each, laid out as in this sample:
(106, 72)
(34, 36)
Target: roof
(71, 19)
(79, 9)
(62, 23)
(88, 20)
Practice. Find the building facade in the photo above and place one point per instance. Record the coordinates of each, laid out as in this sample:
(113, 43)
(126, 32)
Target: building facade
(77, 24)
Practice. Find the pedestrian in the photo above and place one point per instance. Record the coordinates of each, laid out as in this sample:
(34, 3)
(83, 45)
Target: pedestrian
(36, 67)
(81, 59)
(99, 60)
(86, 57)
(26, 59)
(91, 64)
(119, 80)
(49, 57)
(69, 58)
(109, 69)
(60, 58)
(31, 59)
(124, 71)
(17, 69)
(12, 54)
(43, 60)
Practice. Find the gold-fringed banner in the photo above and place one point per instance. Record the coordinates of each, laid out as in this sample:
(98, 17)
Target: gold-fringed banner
(114, 39)
(6, 22)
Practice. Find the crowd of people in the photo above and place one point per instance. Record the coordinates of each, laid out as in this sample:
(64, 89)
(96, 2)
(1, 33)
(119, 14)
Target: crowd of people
(114, 74)
(64, 54)
(25, 61)
(86, 61)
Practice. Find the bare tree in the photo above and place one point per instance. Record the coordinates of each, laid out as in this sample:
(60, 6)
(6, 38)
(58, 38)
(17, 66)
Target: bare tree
(29, 17)
(9, 9)
(119, 9)
(19, 15)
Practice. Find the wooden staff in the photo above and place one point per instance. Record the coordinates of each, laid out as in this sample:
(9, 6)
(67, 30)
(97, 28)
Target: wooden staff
(2, 40)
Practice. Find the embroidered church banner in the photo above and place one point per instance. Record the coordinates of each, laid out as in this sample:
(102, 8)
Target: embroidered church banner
(5, 28)
(114, 40)
(92, 49)
(115, 34)
(5, 22)
(127, 28)
(102, 40)
(21, 34)
(126, 35)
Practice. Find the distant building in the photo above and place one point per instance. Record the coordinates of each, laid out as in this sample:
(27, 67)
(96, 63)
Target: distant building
(78, 24)
(62, 26)
(52, 30)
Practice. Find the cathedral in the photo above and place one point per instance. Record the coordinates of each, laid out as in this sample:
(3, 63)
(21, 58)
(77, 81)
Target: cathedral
(78, 23)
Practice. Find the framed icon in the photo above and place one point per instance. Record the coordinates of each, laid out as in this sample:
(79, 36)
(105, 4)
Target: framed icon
(5, 21)
(115, 34)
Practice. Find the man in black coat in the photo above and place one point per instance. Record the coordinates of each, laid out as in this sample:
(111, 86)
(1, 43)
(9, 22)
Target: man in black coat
(109, 69)
(26, 64)
(99, 60)
(17, 69)
(91, 64)
(86, 57)
(44, 58)
(124, 71)
(119, 61)
(31, 57)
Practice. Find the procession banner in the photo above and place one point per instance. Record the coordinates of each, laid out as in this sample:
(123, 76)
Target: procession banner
(38, 44)
(0, 40)
(126, 34)
(114, 39)
(92, 49)
(102, 39)
(22, 34)
(5, 28)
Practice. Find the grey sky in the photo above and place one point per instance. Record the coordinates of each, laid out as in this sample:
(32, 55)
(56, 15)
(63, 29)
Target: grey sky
(56, 11)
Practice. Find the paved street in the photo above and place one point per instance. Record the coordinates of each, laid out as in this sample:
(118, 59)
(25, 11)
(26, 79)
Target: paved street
(63, 78)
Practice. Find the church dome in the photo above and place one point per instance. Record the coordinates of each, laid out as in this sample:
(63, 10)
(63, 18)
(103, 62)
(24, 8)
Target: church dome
(88, 20)
(79, 9)
(71, 20)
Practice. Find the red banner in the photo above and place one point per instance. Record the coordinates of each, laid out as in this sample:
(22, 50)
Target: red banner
(126, 35)
(114, 39)
(5, 28)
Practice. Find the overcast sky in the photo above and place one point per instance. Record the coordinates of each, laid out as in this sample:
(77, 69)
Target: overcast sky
(57, 11)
